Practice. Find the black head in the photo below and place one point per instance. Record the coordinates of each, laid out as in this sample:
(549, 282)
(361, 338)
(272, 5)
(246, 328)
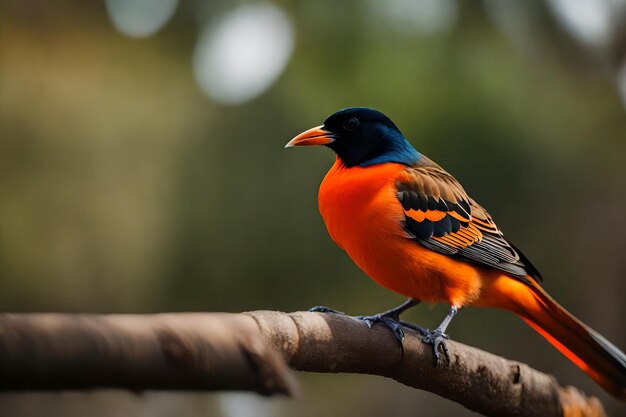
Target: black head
(360, 136)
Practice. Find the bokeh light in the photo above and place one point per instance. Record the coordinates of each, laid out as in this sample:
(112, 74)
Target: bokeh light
(241, 57)
(140, 18)
(587, 20)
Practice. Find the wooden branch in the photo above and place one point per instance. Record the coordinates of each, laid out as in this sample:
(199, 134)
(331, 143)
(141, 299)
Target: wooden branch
(219, 351)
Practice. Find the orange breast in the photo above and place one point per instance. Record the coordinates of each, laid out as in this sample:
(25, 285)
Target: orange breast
(364, 217)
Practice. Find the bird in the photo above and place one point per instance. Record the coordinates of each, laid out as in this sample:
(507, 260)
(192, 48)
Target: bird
(411, 227)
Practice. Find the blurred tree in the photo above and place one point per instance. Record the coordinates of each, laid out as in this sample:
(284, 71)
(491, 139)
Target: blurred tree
(124, 188)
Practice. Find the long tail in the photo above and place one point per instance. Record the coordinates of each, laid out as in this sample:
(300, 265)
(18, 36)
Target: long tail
(591, 352)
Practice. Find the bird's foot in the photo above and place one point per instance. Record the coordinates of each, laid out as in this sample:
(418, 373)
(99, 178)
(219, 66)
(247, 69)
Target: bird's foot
(390, 321)
(324, 309)
(437, 338)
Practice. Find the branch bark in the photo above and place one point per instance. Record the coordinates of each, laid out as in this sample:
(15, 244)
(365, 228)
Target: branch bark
(250, 351)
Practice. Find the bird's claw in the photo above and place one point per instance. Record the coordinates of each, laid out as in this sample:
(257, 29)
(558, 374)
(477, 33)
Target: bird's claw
(437, 338)
(324, 309)
(387, 321)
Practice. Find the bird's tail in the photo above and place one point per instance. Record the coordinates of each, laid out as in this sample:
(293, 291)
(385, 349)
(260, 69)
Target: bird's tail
(591, 352)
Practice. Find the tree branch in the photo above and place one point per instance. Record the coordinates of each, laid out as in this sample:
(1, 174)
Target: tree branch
(219, 351)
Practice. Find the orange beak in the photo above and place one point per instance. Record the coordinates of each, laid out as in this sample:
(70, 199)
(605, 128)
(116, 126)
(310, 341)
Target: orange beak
(314, 136)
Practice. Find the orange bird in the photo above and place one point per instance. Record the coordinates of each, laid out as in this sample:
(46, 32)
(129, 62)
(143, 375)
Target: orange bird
(413, 229)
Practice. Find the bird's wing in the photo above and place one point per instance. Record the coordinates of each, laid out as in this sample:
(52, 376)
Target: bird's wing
(441, 216)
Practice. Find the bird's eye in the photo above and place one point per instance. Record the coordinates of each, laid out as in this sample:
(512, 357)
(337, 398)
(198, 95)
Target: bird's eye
(351, 124)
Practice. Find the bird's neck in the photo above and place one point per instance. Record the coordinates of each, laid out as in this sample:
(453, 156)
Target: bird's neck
(398, 150)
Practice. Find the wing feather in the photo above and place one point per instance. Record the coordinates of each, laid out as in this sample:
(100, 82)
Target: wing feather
(442, 217)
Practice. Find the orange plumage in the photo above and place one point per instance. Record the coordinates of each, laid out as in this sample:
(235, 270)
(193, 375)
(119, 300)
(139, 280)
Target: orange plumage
(412, 228)
(362, 215)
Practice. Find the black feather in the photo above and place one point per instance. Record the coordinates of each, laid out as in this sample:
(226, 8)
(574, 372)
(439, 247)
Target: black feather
(415, 204)
(402, 196)
(465, 205)
(455, 225)
(432, 203)
(423, 229)
(461, 211)
(423, 202)
(443, 226)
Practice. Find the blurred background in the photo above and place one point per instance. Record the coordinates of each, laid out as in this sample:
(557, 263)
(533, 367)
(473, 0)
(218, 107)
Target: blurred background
(142, 167)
